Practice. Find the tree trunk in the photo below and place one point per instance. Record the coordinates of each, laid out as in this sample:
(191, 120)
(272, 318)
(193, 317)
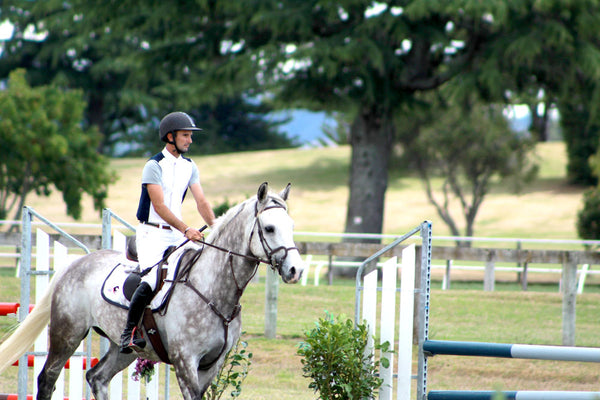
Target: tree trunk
(371, 137)
(539, 123)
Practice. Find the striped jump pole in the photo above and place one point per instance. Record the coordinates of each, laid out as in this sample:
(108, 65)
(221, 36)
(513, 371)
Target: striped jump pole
(502, 350)
(514, 395)
(16, 397)
(526, 351)
(11, 308)
(31, 358)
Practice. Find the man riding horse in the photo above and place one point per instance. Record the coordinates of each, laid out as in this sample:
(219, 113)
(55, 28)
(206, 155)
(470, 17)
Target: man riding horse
(166, 177)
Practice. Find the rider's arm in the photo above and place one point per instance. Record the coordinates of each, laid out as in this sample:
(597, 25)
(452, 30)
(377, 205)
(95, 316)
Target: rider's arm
(158, 202)
(156, 195)
(202, 204)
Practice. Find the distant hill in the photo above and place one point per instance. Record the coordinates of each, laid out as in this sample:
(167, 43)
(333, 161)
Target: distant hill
(307, 126)
(304, 125)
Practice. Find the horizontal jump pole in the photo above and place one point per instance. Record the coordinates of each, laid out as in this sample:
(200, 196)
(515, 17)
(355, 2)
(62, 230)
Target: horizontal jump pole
(12, 308)
(510, 395)
(31, 357)
(16, 397)
(526, 351)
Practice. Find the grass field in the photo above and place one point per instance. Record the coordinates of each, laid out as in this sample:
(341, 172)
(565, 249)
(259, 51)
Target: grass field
(546, 209)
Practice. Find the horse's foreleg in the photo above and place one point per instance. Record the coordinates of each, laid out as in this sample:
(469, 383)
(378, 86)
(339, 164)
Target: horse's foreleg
(193, 383)
(109, 365)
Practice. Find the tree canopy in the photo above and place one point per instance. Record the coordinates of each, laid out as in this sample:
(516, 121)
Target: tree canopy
(368, 60)
(43, 147)
(135, 63)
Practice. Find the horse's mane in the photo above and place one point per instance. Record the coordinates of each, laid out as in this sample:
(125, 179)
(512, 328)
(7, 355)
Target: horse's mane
(248, 204)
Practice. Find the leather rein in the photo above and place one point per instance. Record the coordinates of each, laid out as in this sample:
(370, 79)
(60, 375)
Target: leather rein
(269, 252)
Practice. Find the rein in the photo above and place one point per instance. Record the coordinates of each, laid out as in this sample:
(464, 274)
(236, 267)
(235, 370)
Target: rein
(269, 252)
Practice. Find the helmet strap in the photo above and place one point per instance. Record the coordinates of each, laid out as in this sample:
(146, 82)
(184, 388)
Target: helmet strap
(170, 141)
(173, 134)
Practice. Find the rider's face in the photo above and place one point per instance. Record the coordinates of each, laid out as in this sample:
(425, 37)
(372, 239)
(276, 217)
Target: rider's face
(183, 140)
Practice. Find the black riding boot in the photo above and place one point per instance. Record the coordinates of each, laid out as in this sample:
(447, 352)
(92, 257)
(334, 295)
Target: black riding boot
(129, 339)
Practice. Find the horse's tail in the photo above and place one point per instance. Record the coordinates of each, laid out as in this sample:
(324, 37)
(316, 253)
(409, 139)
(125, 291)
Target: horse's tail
(28, 330)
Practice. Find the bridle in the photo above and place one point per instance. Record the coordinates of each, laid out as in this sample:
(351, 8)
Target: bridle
(267, 249)
(270, 255)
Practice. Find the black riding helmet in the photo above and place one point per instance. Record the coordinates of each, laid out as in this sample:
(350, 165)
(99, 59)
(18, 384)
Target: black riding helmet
(176, 121)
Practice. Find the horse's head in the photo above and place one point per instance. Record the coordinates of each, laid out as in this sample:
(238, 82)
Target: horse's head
(272, 236)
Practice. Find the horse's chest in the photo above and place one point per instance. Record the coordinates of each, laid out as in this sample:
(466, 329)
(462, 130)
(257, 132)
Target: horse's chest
(206, 327)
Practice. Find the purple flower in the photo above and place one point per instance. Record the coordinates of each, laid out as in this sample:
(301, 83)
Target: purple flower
(143, 369)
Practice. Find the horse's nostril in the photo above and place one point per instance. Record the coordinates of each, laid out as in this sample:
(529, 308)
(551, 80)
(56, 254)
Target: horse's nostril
(293, 271)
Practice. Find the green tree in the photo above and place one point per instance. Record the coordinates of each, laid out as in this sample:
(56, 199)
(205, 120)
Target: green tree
(467, 145)
(58, 47)
(136, 61)
(230, 125)
(588, 217)
(43, 147)
(550, 49)
(366, 60)
(580, 123)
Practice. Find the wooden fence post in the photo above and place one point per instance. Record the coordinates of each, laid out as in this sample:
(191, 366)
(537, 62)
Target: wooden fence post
(569, 292)
(489, 277)
(271, 293)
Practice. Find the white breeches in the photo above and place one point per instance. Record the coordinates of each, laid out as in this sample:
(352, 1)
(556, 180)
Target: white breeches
(151, 244)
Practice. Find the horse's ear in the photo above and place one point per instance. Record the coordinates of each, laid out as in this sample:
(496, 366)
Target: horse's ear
(263, 190)
(285, 192)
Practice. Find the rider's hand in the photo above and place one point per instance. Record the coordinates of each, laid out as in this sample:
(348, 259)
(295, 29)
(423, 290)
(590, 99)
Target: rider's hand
(193, 234)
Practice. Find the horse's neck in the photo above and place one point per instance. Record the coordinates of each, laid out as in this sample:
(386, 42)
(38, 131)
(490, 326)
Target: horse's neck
(231, 234)
(231, 263)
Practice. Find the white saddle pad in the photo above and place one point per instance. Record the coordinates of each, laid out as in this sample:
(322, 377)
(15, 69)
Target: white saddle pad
(112, 289)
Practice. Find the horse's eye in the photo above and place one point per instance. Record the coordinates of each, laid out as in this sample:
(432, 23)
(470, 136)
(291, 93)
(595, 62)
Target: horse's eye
(269, 229)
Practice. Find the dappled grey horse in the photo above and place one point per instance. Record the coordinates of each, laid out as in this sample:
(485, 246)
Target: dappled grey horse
(203, 320)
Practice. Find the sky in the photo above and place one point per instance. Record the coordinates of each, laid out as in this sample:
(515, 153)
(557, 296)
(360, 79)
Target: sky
(6, 30)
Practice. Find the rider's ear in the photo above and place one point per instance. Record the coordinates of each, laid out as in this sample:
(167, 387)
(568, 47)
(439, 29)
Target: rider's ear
(263, 190)
(285, 192)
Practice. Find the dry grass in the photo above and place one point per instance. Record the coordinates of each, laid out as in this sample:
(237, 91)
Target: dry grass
(545, 209)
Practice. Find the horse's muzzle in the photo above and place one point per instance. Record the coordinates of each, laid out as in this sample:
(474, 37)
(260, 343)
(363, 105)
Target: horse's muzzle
(293, 276)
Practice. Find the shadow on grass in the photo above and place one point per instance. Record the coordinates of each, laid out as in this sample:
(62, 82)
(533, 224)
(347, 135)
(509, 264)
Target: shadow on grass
(550, 185)
(324, 174)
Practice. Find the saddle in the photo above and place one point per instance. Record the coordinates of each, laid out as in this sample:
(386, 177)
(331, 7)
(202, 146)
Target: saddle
(111, 289)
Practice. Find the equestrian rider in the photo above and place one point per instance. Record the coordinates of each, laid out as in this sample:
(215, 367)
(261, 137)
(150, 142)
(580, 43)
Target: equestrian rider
(165, 180)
